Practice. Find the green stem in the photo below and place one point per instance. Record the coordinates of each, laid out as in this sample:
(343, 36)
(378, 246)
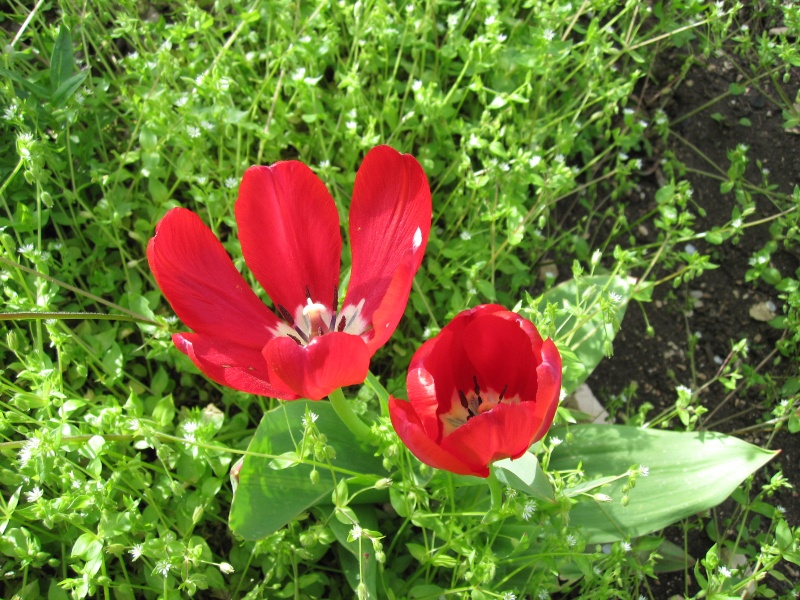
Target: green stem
(351, 420)
(495, 489)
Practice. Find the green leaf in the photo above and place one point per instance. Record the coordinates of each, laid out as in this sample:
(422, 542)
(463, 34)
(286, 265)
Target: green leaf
(525, 475)
(581, 325)
(267, 499)
(61, 61)
(35, 89)
(66, 89)
(688, 472)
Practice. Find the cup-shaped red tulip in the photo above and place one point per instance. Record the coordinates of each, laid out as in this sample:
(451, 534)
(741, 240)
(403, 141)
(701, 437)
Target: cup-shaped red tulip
(484, 389)
(291, 241)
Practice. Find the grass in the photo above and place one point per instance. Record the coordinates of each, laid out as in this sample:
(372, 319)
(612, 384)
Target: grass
(526, 117)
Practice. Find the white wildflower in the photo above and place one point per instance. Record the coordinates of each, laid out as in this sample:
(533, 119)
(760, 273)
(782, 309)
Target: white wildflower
(466, 235)
(28, 450)
(534, 161)
(163, 567)
(417, 85)
(34, 495)
(571, 541)
(356, 532)
(226, 568)
(231, 182)
(644, 471)
(549, 34)
(509, 596)
(194, 132)
(725, 571)
(528, 510)
(25, 248)
(614, 297)
(556, 441)
(136, 552)
(625, 546)
(314, 417)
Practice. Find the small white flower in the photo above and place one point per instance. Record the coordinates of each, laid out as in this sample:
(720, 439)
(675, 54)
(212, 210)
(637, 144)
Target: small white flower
(644, 124)
(596, 256)
(24, 249)
(466, 235)
(562, 395)
(207, 125)
(615, 297)
(136, 551)
(34, 495)
(191, 426)
(231, 182)
(324, 164)
(163, 567)
(556, 441)
(637, 164)
(725, 572)
(505, 167)
(299, 74)
(490, 20)
(223, 85)
(625, 546)
(571, 541)
(528, 510)
(628, 111)
(28, 450)
(549, 34)
(736, 223)
(181, 101)
(417, 85)
(509, 596)
(452, 20)
(193, 131)
(781, 509)
(690, 249)
(145, 172)
(559, 158)
(644, 471)
(356, 532)
(543, 595)
(534, 161)
(199, 79)
(351, 125)
(202, 179)
(314, 417)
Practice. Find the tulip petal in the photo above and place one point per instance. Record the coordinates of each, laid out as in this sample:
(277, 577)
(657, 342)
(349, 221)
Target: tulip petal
(500, 353)
(232, 365)
(506, 431)
(289, 230)
(392, 306)
(548, 375)
(390, 216)
(329, 362)
(199, 280)
(407, 425)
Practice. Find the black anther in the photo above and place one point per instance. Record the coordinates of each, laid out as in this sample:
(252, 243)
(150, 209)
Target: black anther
(503, 393)
(308, 293)
(287, 316)
(301, 334)
(299, 343)
(342, 324)
(477, 387)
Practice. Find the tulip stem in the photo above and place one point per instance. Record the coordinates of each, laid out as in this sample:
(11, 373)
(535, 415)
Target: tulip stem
(495, 489)
(351, 420)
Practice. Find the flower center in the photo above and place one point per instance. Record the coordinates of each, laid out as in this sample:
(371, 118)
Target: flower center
(471, 403)
(314, 319)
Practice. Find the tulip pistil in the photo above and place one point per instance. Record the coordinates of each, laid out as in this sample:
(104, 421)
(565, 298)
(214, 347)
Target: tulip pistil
(473, 403)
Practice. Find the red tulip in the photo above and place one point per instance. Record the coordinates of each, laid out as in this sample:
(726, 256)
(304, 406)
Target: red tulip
(482, 390)
(291, 241)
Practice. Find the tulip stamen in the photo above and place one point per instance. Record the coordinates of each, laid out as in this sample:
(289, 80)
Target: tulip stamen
(296, 339)
(300, 333)
(285, 314)
(503, 393)
(342, 323)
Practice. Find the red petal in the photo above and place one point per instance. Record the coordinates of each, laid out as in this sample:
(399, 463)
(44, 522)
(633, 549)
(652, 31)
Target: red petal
(548, 376)
(500, 353)
(430, 383)
(289, 229)
(231, 365)
(392, 306)
(506, 431)
(407, 425)
(390, 215)
(200, 282)
(329, 362)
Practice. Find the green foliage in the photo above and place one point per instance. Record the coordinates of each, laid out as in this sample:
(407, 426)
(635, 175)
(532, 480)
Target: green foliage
(116, 452)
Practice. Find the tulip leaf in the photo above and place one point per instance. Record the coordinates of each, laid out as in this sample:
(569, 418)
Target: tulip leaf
(267, 498)
(525, 475)
(688, 472)
(590, 310)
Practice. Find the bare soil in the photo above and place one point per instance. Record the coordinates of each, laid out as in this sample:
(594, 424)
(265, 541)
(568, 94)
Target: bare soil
(717, 304)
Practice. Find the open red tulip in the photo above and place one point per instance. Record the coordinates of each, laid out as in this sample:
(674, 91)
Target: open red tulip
(482, 390)
(291, 241)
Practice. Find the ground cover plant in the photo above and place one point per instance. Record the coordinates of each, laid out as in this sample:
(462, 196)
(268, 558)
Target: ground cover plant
(577, 178)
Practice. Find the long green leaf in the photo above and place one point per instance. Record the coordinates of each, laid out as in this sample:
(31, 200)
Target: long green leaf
(61, 60)
(688, 472)
(266, 498)
(583, 329)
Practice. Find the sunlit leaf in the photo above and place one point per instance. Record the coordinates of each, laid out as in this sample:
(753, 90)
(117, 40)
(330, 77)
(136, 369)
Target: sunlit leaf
(688, 472)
